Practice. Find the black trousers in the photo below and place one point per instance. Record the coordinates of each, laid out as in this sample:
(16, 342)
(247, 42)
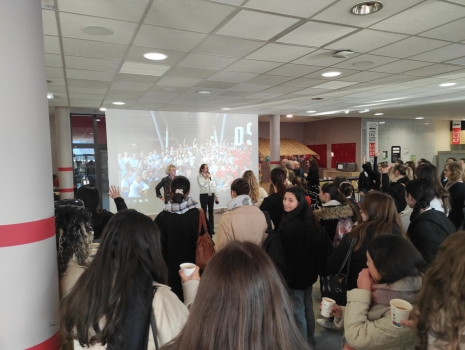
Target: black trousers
(208, 201)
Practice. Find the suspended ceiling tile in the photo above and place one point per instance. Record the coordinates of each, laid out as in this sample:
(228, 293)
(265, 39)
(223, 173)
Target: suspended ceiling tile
(82, 83)
(282, 89)
(363, 77)
(459, 74)
(172, 108)
(54, 72)
(252, 66)
(136, 78)
(119, 93)
(224, 85)
(458, 61)
(279, 53)
(136, 54)
(158, 97)
(442, 54)
(400, 66)
(432, 70)
(195, 60)
(315, 34)
(321, 58)
(271, 80)
(88, 74)
(52, 60)
(379, 61)
(334, 85)
(146, 106)
(256, 25)
(95, 49)
(163, 38)
(72, 24)
(453, 31)
(73, 96)
(250, 87)
(299, 8)
(366, 40)
(143, 69)
(293, 70)
(119, 85)
(230, 2)
(190, 72)
(175, 81)
(195, 89)
(195, 15)
(52, 44)
(49, 23)
(232, 76)
(231, 93)
(80, 90)
(303, 82)
(226, 46)
(421, 17)
(394, 79)
(309, 92)
(84, 103)
(409, 47)
(319, 73)
(116, 9)
(56, 81)
(178, 90)
(339, 12)
(264, 95)
(91, 63)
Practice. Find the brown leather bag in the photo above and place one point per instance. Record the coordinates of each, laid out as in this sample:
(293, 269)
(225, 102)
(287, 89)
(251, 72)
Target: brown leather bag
(205, 246)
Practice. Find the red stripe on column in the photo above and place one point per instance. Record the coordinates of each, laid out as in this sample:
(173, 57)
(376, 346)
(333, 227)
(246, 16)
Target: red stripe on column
(52, 343)
(27, 232)
(65, 169)
(66, 189)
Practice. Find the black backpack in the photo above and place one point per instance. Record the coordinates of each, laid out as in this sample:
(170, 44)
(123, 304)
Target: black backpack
(274, 248)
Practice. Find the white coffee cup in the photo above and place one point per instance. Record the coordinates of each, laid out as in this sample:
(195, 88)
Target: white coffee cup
(329, 178)
(324, 178)
(400, 310)
(187, 268)
(326, 306)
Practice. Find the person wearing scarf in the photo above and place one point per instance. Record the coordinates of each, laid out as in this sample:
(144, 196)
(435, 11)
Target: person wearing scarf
(178, 223)
(243, 221)
(454, 174)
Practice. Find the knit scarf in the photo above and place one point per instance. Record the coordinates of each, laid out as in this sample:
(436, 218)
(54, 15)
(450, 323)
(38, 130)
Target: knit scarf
(239, 201)
(180, 208)
(402, 289)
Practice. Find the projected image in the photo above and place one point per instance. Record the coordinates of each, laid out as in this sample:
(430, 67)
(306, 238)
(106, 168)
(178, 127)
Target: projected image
(142, 145)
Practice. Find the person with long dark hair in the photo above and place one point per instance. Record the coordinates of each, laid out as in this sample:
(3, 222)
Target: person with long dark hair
(313, 182)
(114, 300)
(207, 196)
(428, 227)
(241, 303)
(90, 195)
(301, 239)
(441, 201)
(456, 188)
(396, 187)
(178, 224)
(273, 204)
(394, 271)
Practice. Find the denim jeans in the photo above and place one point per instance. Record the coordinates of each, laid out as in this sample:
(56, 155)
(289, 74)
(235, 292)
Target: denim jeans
(303, 312)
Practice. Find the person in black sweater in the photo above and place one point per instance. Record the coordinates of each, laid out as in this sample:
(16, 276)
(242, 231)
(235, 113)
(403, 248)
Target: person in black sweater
(273, 204)
(456, 187)
(90, 195)
(313, 182)
(428, 227)
(301, 237)
(396, 187)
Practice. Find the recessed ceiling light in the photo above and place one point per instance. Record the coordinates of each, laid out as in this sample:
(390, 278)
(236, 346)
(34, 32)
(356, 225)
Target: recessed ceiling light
(364, 111)
(289, 116)
(97, 30)
(118, 103)
(331, 74)
(225, 109)
(50, 96)
(366, 8)
(346, 112)
(448, 84)
(419, 118)
(155, 56)
(379, 113)
(103, 109)
(204, 92)
(311, 111)
(169, 89)
(382, 122)
(363, 63)
(391, 99)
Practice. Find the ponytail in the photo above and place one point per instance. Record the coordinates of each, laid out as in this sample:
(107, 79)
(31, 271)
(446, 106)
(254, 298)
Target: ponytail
(277, 178)
(180, 186)
(422, 190)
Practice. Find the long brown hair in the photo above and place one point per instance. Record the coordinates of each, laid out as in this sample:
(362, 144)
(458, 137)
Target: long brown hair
(130, 249)
(277, 178)
(381, 213)
(430, 172)
(441, 300)
(254, 193)
(241, 304)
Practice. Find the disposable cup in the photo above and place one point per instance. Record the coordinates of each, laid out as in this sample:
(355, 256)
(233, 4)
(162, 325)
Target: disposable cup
(400, 310)
(329, 178)
(326, 306)
(325, 177)
(188, 268)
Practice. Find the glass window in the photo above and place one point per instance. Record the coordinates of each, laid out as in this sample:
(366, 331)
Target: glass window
(82, 129)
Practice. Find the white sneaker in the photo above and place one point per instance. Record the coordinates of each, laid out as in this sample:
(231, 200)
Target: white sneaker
(327, 323)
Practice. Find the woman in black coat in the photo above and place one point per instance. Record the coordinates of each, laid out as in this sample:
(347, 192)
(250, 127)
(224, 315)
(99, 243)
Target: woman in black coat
(456, 187)
(313, 182)
(396, 187)
(178, 224)
(273, 204)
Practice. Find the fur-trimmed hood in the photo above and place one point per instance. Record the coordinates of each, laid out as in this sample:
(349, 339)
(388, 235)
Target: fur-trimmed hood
(333, 212)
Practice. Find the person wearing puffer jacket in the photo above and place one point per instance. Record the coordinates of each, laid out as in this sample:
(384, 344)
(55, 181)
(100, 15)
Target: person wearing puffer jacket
(367, 318)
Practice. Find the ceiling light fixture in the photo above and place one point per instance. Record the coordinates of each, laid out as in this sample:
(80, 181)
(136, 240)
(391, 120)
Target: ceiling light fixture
(311, 111)
(155, 56)
(331, 112)
(363, 63)
(346, 112)
(289, 116)
(97, 30)
(366, 8)
(448, 84)
(343, 54)
(50, 96)
(391, 99)
(382, 122)
(419, 118)
(204, 92)
(331, 74)
(226, 109)
(118, 103)
(425, 123)
(379, 113)
(103, 109)
(364, 111)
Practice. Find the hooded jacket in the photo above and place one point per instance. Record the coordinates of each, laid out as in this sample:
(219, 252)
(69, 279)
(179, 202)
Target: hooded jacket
(396, 189)
(329, 216)
(367, 178)
(428, 230)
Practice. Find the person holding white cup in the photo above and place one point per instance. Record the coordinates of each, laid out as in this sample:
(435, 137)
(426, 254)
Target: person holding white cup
(394, 272)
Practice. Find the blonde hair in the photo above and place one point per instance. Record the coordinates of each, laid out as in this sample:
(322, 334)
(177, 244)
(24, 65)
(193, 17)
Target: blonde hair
(409, 173)
(168, 168)
(456, 171)
(250, 178)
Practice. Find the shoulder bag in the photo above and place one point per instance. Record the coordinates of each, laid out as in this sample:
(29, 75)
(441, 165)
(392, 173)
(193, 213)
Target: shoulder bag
(205, 246)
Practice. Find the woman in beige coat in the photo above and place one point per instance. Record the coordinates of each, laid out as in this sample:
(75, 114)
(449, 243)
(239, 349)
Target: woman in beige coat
(394, 272)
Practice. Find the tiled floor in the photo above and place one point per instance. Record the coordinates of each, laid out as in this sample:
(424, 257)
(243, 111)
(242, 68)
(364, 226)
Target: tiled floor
(326, 339)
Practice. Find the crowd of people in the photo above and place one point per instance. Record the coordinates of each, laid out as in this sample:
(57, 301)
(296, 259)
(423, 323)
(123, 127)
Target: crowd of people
(257, 290)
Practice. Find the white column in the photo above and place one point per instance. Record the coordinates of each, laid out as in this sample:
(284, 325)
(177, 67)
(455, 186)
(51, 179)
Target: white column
(275, 141)
(28, 267)
(64, 152)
